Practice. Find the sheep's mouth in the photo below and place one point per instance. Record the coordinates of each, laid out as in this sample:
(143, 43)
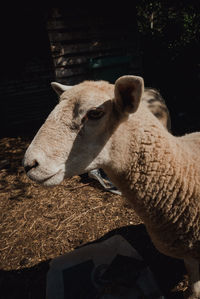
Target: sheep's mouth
(54, 180)
(51, 180)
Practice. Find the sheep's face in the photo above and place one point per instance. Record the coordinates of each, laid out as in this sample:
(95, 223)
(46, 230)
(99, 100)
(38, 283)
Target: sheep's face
(76, 135)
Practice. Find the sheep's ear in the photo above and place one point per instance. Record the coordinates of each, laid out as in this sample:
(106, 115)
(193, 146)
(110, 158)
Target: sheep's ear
(128, 93)
(59, 88)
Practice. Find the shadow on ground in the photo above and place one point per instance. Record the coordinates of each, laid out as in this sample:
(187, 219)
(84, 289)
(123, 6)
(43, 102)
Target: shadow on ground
(30, 283)
(27, 283)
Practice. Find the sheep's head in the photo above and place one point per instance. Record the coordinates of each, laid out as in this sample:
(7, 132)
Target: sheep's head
(77, 135)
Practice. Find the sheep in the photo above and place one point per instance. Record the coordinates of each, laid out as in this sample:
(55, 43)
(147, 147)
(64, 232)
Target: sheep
(96, 125)
(156, 104)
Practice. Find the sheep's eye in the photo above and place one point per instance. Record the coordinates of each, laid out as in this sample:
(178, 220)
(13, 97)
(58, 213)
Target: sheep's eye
(95, 114)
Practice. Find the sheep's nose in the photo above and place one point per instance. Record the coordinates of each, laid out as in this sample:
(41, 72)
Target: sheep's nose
(31, 165)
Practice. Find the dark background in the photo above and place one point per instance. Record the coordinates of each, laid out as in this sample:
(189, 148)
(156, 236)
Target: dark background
(167, 43)
(171, 60)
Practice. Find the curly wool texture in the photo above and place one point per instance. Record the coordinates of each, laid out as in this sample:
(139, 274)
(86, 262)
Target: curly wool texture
(160, 175)
(156, 171)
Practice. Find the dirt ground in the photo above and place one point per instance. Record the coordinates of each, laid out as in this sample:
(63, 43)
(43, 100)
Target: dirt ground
(38, 224)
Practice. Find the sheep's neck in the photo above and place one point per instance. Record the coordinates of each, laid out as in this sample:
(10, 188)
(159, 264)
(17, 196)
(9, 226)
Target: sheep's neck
(152, 172)
(149, 174)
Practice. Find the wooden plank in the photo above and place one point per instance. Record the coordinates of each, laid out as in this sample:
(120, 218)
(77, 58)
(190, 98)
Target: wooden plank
(105, 32)
(67, 72)
(77, 60)
(78, 36)
(66, 23)
(61, 50)
(85, 22)
(63, 72)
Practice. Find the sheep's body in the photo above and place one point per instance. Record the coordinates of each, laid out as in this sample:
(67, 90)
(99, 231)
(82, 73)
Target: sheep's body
(162, 182)
(157, 172)
(156, 104)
